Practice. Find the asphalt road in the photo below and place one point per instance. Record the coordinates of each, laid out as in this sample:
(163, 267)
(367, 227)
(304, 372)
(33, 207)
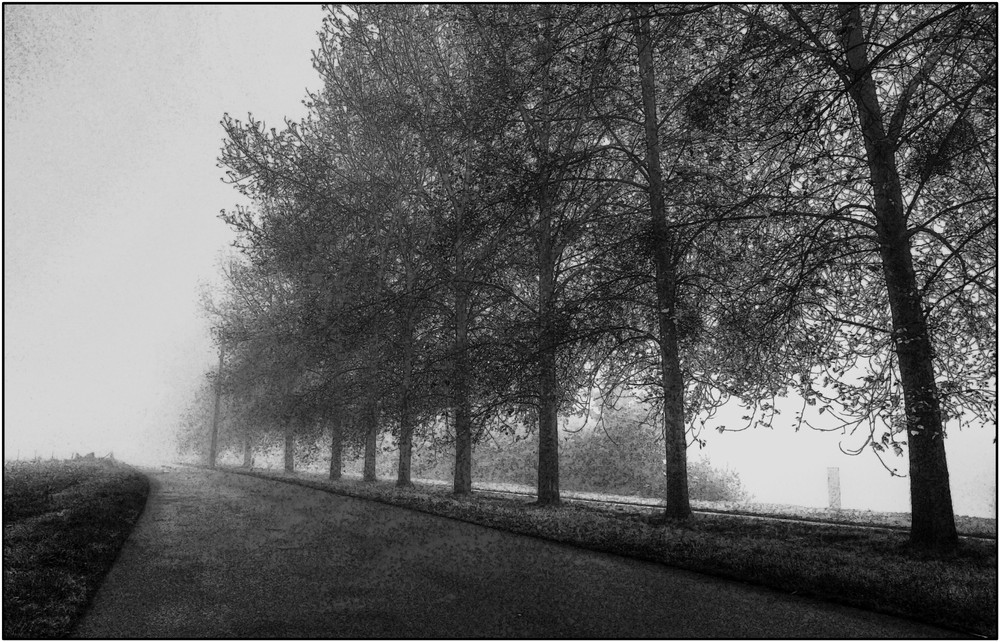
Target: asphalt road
(230, 556)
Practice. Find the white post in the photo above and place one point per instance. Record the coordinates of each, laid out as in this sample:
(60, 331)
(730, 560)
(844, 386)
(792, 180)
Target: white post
(833, 487)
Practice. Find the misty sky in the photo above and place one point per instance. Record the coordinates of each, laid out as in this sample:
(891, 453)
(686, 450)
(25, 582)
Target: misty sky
(111, 123)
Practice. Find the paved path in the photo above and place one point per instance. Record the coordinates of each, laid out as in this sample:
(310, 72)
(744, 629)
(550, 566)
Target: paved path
(230, 556)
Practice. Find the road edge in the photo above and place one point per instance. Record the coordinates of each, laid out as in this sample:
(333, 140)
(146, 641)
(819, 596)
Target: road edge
(480, 518)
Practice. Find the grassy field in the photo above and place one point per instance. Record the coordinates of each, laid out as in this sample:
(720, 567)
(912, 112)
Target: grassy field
(869, 569)
(63, 525)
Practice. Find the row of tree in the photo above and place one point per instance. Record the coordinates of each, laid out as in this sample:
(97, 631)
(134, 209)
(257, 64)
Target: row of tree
(493, 215)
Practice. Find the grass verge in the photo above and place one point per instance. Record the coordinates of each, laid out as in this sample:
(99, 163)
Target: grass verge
(874, 570)
(63, 525)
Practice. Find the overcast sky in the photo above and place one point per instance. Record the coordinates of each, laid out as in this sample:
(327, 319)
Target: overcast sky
(111, 192)
(111, 133)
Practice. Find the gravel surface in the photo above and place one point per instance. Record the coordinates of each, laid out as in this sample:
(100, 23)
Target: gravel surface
(217, 555)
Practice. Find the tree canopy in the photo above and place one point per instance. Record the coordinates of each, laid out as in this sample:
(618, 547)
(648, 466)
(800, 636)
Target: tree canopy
(491, 211)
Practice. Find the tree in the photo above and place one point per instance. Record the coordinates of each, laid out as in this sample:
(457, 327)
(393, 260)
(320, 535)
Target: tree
(387, 163)
(897, 102)
(214, 445)
(416, 77)
(487, 206)
(665, 257)
(544, 67)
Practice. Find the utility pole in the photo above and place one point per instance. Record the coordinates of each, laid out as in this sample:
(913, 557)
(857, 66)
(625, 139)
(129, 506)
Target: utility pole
(213, 448)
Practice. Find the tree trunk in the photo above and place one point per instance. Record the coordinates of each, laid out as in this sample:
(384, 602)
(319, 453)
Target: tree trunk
(289, 448)
(247, 449)
(548, 385)
(675, 443)
(548, 424)
(336, 446)
(461, 371)
(405, 415)
(933, 519)
(463, 409)
(213, 447)
(371, 441)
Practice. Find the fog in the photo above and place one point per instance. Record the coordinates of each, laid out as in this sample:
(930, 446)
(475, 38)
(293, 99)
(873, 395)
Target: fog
(111, 119)
(111, 122)
(783, 466)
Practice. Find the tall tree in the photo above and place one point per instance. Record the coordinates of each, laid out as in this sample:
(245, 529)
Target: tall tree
(414, 63)
(545, 66)
(898, 100)
(213, 449)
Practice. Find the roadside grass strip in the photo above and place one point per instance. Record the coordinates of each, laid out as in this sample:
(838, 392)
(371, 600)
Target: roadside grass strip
(869, 569)
(972, 526)
(63, 525)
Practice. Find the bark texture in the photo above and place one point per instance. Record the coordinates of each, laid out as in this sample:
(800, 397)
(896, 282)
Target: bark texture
(664, 255)
(247, 450)
(371, 441)
(336, 446)
(548, 385)
(289, 448)
(405, 412)
(461, 371)
(463, 408)
(933, 519)
(213, 447)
